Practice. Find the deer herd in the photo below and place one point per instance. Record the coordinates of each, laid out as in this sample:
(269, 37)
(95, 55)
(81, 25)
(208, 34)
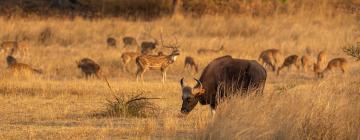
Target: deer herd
(149, 55)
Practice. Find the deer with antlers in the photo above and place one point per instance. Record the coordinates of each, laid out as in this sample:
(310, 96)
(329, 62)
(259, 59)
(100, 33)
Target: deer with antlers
(157, 62)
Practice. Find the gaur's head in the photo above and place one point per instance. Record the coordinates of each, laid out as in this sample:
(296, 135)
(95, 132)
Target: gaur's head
(190, 95)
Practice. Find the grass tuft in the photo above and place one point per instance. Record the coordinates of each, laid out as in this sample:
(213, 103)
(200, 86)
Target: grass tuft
(131, 106)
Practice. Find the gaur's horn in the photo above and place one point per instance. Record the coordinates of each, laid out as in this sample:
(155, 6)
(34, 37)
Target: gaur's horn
(198, 83)
(182, 82)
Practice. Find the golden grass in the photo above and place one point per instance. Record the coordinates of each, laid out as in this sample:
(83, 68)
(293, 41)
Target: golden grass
(61, 105)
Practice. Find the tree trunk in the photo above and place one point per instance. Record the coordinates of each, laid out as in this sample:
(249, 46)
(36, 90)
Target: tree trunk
(177, 7)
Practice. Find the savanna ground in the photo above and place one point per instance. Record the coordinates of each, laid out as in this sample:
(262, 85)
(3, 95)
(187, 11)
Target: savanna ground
(61, 104)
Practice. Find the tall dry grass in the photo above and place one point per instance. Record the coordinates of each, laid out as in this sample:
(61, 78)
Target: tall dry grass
(61, 104)
(315, 110)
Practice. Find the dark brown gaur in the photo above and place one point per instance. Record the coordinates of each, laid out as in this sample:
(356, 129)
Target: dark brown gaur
(223, 77)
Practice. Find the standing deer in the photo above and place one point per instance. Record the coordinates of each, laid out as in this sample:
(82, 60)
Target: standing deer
(155, 62)
(340, 63)
(306, 62)
(16, 67)
(130, 42)
(205, 51)
(14, 48)
(292, 60)
(190, 64)
(271, 57)
(128, 57)
(321, 59)
(89, 67)
(160, 62)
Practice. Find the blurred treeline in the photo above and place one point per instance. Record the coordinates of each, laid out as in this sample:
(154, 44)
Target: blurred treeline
(159, 8)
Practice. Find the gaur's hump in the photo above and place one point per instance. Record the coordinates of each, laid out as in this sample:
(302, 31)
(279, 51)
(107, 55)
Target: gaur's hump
(223, 57)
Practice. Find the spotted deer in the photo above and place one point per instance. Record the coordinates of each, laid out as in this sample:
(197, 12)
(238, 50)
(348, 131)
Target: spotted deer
(292, 60)
(128, 57)
(190, 64)
(160, 62)
(14, 48)
(272, 58)
(204, 51)
(20, 68)
(336, 63)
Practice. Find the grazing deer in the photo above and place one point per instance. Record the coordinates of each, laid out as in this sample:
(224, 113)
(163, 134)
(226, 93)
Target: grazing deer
(289, 62)
(16, 67)
(14, 47)
(322, 58)
(271, 57)
(340, 63)
(111, 42)
(190, 64)
(148, 47)
(129, 42)
(306, 62)
(89, 67)
(204, 51)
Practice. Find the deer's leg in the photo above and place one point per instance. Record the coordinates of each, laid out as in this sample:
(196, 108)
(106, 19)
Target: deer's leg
(163, 73)
(138, 73)
(142, 74)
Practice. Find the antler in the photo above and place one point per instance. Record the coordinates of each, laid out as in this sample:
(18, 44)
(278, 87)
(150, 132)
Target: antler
(172, 45)
(161, 37)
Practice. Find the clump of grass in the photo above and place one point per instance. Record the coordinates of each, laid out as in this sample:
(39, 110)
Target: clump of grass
(131, 106)
(353, 51)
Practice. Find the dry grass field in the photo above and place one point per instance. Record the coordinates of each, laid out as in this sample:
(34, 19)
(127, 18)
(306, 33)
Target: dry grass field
(61, 104)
